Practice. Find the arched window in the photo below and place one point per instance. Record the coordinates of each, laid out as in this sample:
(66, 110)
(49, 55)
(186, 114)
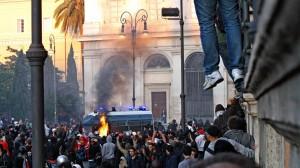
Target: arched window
(199, 103)
(157, 61)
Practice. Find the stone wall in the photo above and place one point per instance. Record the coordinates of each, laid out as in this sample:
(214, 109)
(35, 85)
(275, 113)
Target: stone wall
(273, 78)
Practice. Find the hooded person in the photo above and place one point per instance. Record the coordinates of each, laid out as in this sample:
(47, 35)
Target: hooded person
(108, 150)
(219, 110)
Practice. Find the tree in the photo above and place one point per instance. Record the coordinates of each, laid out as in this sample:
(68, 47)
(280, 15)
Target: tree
(70, 15)
(72, 70)
(20, 95)
(6, 79)
(69, 100)
(49, 89)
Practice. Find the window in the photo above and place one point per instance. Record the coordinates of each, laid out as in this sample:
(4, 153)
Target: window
(20, 25)
(157, 61)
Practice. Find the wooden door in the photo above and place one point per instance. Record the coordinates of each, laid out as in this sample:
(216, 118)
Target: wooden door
(159, 106)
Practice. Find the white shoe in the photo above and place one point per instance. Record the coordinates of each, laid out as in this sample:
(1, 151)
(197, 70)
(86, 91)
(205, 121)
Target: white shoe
(238, 95)
(237, 75)
(212, 80)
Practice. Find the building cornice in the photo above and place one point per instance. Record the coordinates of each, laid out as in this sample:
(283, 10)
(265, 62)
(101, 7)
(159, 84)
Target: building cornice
(108, 37)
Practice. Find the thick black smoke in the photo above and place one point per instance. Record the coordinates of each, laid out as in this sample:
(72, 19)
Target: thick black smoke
(113, 85)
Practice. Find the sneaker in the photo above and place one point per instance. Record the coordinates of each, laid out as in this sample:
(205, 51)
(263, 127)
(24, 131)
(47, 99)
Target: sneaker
(238, 95)
(212, 80)
(237, 75)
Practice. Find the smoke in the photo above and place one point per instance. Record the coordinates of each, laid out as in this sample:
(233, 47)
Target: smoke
(113, 84)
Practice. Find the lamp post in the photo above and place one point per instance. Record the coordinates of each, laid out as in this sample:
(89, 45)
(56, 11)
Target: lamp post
(140, 16)
(176, 14)
(52, 48)
(36, 56)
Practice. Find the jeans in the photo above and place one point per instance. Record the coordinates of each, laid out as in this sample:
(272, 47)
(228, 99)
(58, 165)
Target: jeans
(223, 52)
(206, 12)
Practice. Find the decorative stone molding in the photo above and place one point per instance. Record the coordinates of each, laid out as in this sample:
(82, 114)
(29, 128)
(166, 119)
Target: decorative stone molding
(274, 71)
(275, 55)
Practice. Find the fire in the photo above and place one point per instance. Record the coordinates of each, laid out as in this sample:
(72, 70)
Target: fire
(103, 129)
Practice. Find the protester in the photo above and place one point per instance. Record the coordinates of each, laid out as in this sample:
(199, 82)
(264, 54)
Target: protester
(135, 160)
(152, 147)
(4, 159)
(206, 12)
(212, 134)
(108, 151)
(188, 160)
(219, 110)
(236, 132)
(171, 159)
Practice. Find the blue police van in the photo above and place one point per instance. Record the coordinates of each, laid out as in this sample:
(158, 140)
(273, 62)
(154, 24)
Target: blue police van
(122, 120)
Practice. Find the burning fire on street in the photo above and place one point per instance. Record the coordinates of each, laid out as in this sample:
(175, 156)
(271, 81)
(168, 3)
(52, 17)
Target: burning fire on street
(103, 127)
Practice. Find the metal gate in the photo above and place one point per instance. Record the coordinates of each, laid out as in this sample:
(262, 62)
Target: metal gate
(199, 103)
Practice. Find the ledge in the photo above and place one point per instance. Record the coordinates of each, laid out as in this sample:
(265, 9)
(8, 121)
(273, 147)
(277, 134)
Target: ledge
(274, 70)
(275, 55)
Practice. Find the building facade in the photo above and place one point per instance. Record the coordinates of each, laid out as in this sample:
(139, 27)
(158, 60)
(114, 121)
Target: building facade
(109, 69)
(15, 32)
(273, 79)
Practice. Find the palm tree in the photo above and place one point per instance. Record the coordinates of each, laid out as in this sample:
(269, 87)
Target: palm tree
(70, 15)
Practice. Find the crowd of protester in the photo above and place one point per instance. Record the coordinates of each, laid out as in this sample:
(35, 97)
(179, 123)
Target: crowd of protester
(153, 147)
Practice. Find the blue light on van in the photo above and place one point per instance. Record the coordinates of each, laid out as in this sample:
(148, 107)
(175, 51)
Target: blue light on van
(142, 108)
(130, 108)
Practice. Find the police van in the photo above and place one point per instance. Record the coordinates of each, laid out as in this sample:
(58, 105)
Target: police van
(118, 121)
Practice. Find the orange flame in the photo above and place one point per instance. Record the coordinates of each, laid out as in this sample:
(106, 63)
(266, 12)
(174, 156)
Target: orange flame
(103, 129)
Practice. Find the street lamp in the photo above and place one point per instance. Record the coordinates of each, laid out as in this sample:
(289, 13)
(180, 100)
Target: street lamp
(36, 55)
(176, 14)
(52, 48)
(140, 16)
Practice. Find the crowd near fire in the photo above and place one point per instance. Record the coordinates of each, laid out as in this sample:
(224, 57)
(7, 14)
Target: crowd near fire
(154, 145)
(62, 132)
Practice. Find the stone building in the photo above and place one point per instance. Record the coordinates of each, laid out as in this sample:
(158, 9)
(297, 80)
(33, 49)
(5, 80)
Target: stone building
(273, 79)
(108, 60)
(15, 32)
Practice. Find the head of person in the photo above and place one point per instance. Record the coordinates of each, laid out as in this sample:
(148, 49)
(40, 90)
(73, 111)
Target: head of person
(219, 110)
(132, 152)
(151, 146)
(194, 153)
(169, 149)
(237, 123)
(62, 161)
(187, 151)
(94, 141)
(212, 133)
(109, 139)
(227, 160)
(219, 107)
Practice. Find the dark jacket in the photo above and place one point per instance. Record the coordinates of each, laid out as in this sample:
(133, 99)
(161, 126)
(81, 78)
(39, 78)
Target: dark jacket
(5, 161)
(137, 162)
(171, 161)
